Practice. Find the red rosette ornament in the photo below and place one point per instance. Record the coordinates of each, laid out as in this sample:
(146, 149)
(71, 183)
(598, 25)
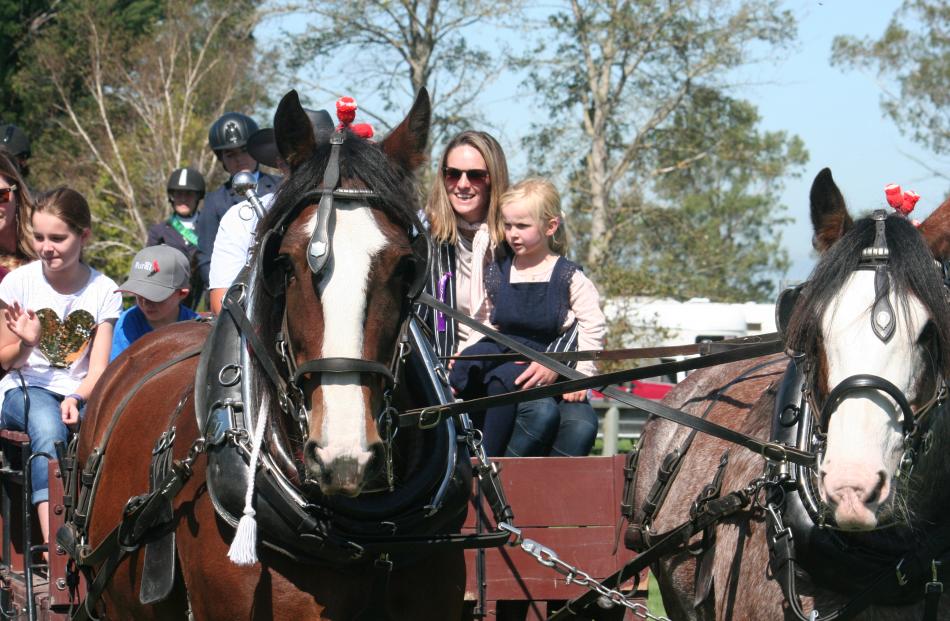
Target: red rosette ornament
(346, 112)
(903, 202)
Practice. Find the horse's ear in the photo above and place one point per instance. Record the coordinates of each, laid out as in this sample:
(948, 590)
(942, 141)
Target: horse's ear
(293, 131)
(829, 214)
(936, 231)
(406, 145)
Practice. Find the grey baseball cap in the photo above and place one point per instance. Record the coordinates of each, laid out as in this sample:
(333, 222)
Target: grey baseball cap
(157, 272)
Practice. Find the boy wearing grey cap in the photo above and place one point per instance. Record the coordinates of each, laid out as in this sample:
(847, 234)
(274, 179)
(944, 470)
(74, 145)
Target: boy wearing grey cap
(158, 279)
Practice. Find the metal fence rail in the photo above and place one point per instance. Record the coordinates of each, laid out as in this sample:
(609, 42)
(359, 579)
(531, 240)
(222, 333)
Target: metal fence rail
(618, 421)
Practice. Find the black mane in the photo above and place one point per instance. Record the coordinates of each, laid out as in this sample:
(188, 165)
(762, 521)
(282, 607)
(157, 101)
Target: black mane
(912, 270)
(359, 160)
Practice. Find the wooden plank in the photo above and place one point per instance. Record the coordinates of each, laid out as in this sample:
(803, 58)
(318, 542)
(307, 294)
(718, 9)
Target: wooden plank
(570, 505)
(561, 491)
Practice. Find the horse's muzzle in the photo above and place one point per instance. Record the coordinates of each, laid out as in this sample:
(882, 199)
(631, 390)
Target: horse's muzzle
(345, 472)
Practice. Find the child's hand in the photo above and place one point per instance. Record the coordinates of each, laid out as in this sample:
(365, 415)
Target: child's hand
(577, 395)
(23, 323)
(536, 375)
(69, 411)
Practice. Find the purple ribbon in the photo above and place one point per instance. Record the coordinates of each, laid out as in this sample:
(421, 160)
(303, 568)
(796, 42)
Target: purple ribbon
(440, 318)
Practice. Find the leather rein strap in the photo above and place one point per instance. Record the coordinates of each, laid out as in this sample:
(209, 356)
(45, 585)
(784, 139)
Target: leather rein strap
(702, 349)
(769, 450)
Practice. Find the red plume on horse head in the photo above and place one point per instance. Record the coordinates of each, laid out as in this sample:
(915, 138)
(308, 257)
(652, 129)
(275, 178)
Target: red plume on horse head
(346, 111)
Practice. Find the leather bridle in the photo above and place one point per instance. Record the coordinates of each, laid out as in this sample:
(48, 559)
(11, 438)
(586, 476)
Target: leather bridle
(883, 323)
(319, 250)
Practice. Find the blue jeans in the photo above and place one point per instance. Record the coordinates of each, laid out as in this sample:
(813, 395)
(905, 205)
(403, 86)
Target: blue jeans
(45, 427)
(577, 430)
(535, 427)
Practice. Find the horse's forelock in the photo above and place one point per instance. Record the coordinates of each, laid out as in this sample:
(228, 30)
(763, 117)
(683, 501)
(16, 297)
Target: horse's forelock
(912, 270)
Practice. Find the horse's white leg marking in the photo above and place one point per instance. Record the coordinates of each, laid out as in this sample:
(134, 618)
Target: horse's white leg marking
(356, 240)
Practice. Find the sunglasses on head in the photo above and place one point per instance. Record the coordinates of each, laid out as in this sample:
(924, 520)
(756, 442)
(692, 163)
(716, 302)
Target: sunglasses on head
(6, 193)
(474, 175)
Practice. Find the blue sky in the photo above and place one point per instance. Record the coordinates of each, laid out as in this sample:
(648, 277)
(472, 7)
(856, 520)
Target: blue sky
(837, 113)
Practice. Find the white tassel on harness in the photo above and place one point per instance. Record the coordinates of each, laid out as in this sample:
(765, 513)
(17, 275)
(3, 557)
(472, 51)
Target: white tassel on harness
(244, 547)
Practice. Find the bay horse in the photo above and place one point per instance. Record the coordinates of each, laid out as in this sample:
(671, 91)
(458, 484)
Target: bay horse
(190, 405)
(867, 524)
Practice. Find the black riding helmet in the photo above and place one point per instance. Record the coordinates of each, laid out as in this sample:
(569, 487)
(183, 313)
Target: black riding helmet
(187, 179)
(231, 131)
(13, 140)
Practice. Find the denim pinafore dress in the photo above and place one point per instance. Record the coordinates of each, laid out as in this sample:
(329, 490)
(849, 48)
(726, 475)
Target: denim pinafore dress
(530, 312)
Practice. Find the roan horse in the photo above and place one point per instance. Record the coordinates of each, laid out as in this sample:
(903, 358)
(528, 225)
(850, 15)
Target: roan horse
(870, 339)
(333, 290)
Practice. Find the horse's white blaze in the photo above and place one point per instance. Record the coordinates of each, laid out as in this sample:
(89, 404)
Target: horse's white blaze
(865, 432)
(356, 240)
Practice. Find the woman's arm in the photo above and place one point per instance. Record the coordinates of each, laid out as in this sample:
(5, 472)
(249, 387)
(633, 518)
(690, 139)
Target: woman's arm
(99, 351)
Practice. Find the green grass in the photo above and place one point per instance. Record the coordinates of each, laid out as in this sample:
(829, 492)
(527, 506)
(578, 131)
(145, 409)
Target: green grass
(654, 600)
(623, 446)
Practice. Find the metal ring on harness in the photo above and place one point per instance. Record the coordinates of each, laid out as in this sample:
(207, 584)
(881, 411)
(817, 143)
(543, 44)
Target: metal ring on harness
(230, 374)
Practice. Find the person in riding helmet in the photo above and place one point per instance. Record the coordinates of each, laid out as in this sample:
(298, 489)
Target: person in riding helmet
(15, 143)
(228, 139)
(186, 188)
(236, 232)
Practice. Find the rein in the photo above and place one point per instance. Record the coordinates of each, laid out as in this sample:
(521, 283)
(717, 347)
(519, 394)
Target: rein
(635, 353)
(771, 451)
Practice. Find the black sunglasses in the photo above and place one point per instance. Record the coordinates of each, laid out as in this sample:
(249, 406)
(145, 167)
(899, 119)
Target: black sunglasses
(6, 193)
(474, 175)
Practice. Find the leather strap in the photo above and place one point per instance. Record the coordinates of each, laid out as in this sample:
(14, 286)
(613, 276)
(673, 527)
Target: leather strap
(769, 450)
(711, 512)
(867, 382)
(318, 250)
(635, 353)
(344, 365)
(257, 346)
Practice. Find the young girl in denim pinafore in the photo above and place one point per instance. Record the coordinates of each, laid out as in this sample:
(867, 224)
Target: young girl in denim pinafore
(536, 296)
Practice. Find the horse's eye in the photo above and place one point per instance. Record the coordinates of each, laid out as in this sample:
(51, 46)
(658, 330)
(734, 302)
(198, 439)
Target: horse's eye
(284, 266)
(927, 333)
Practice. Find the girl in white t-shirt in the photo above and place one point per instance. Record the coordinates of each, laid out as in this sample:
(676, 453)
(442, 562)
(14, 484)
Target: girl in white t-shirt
(58, 315)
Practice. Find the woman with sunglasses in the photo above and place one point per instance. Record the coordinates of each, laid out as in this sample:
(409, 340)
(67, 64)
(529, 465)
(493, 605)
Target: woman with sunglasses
(463, 204)
(16, 204)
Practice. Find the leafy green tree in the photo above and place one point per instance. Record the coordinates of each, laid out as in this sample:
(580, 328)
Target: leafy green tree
(20, 20)
(612, 75)
(709, 228)
(392, 49)
(124, 95)
(912, 62)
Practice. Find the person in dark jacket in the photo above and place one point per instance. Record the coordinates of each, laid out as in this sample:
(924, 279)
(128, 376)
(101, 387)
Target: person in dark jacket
(228, 139)
(186, 188)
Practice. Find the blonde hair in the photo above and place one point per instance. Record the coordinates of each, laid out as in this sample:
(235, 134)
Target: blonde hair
(544, 201)
(442, 225)
(24, 207)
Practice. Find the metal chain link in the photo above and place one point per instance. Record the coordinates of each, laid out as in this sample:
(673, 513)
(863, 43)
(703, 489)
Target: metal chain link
(574, 575)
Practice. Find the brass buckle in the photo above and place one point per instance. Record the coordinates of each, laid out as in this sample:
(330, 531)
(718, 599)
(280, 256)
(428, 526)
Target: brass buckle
(430, 417)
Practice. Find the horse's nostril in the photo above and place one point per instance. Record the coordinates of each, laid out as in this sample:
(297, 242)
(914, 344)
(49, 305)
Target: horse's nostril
(876, 494)
(310, 452)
